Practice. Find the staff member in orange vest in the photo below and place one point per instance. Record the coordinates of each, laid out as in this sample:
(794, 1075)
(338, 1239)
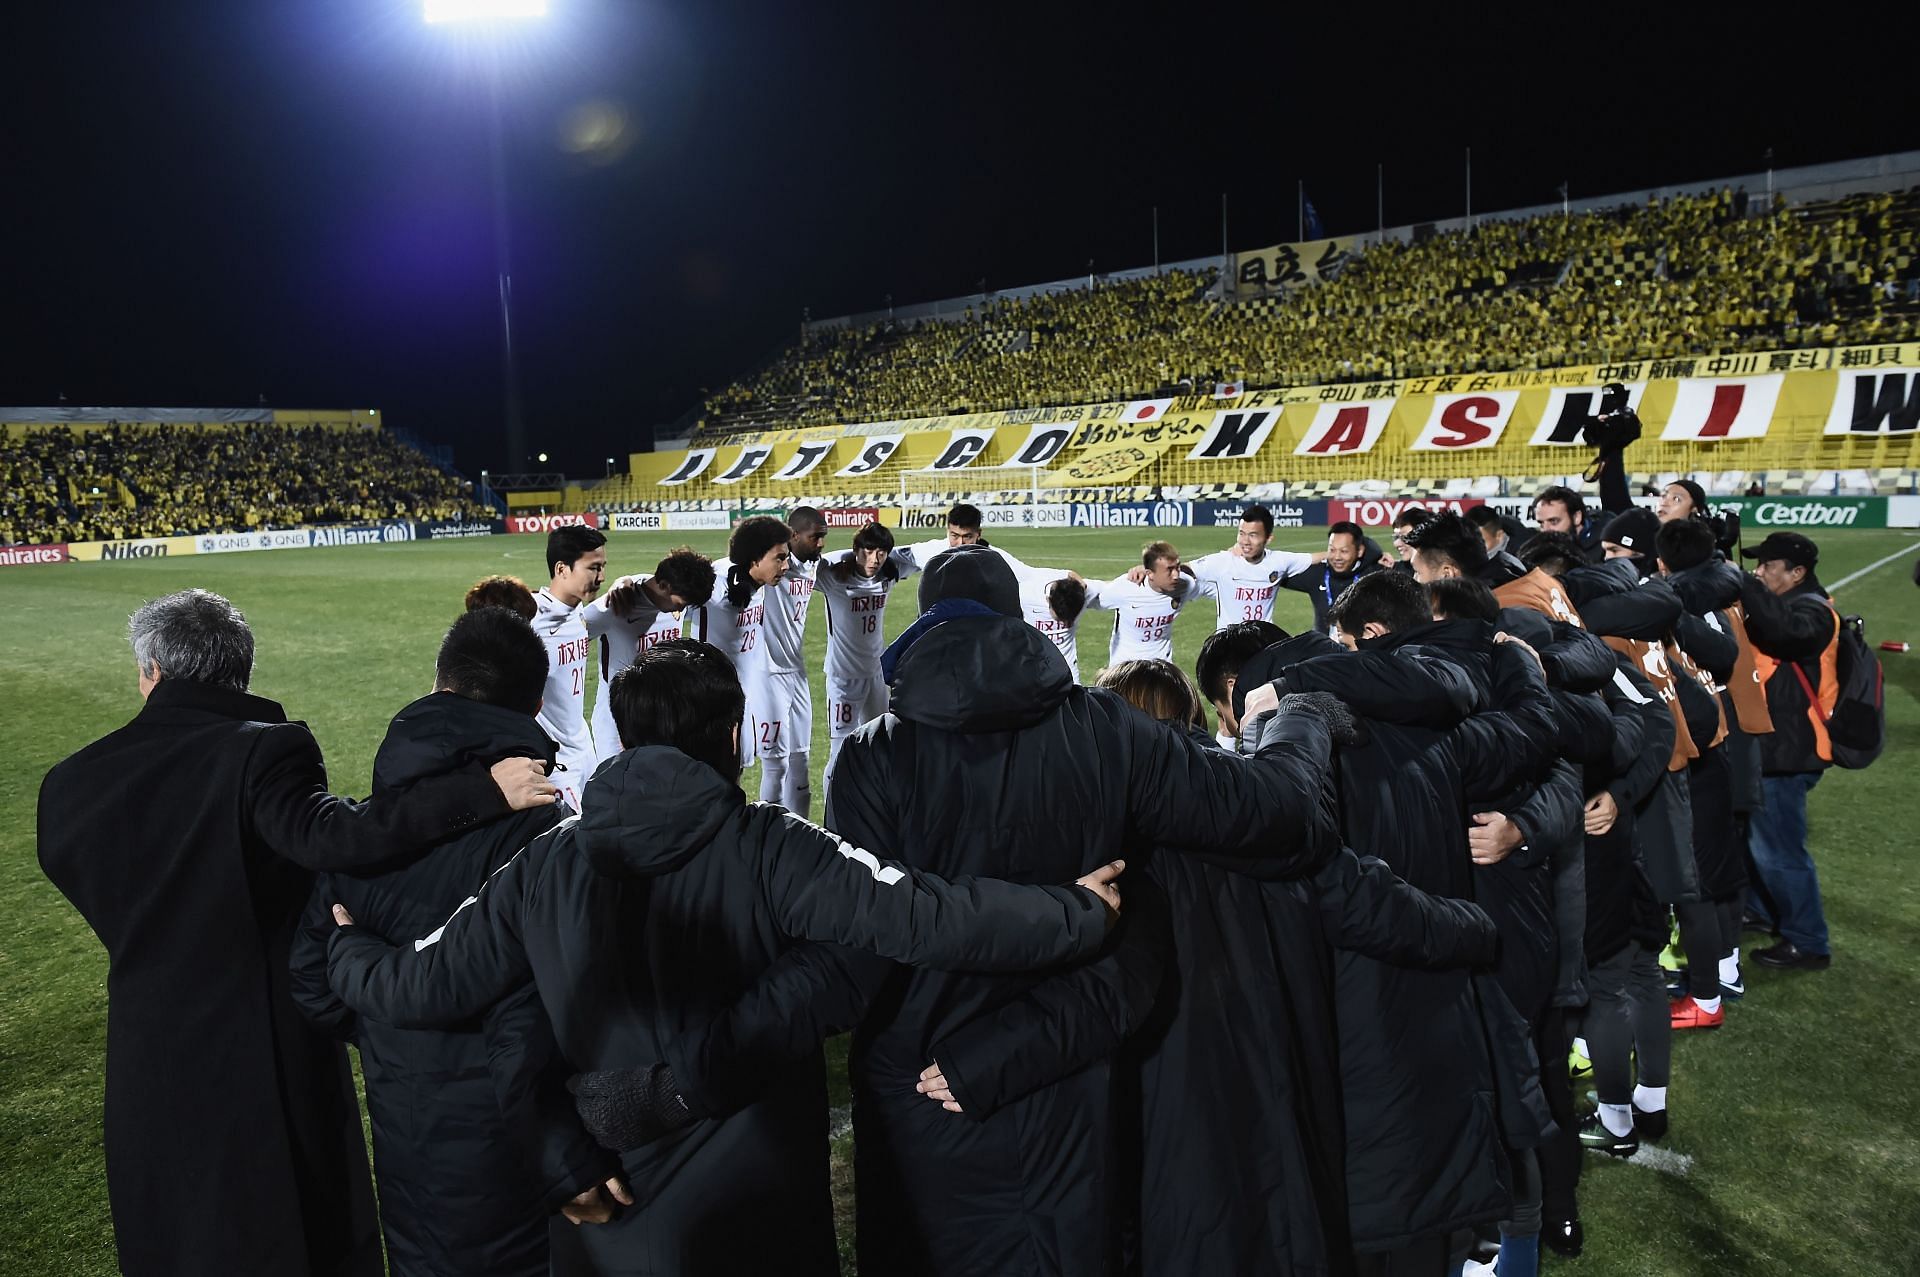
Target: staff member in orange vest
(1796, 632)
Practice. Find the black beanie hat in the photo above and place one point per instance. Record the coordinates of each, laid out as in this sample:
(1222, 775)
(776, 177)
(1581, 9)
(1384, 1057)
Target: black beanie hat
(1697, 493)
(971, 572)
(1635, 529)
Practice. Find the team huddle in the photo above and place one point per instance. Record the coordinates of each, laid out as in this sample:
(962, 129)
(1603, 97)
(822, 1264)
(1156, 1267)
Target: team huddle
(755, 609)
(1439, 839)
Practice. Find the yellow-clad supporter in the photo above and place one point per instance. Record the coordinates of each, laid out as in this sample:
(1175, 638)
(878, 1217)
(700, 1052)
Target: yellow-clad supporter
(61, 484)
(1715, 273)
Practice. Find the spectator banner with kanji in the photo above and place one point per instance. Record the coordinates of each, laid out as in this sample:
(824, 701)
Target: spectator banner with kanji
(1834, 409)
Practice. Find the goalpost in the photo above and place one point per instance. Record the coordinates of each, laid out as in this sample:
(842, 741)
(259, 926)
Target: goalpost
(990, 486)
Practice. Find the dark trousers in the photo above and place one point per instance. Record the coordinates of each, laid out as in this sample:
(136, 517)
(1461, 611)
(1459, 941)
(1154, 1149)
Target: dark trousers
(1560, 1156)
(1628, 1027)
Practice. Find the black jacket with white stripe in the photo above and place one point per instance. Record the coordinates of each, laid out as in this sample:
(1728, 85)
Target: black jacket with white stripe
(667, 898)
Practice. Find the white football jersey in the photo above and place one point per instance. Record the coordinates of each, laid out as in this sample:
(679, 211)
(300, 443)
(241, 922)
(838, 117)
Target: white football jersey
(1143, 617)
(1246, 589)
(740, 632)
(563, 703)
(787, 601)
(927, 551)
(1064, 635)
(856, 614)
(618, 643)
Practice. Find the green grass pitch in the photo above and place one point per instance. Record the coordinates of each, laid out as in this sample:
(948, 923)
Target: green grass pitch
(1801, 1117)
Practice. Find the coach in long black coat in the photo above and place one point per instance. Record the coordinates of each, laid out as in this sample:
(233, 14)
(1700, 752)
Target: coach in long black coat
(994, 761)
(1427, 1079)
(188, 841)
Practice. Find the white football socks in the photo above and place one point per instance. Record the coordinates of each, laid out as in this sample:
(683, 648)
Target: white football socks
(1730, 968)
(1650, 1099)
(1617, 1118)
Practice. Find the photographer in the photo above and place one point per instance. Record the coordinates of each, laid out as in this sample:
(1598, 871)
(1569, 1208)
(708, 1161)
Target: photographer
(1611, 430)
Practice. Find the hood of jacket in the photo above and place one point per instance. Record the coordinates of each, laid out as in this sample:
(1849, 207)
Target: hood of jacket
(977, 674)
(1706, 587)
(445, 732)
(1502, 567)
(1600, 580)
(651, 810)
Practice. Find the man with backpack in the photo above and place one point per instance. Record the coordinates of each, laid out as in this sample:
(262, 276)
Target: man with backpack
(1798, 638)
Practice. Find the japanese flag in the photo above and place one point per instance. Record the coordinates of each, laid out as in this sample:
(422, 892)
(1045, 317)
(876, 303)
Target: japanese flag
(1147, 409)
(1229, 389)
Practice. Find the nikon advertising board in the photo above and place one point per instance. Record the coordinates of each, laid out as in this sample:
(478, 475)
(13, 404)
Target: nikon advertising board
(143, 548)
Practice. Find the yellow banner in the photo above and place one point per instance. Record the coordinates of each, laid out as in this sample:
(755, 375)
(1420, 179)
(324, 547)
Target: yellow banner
(1290, 266)
(144, 548)
(1112, 464)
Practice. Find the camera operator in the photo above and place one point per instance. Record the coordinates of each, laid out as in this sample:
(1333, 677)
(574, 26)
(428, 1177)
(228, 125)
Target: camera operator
(1611, 430)
(1685, 499)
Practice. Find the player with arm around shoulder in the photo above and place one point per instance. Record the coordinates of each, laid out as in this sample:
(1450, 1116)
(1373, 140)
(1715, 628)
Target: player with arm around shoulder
(857, 584)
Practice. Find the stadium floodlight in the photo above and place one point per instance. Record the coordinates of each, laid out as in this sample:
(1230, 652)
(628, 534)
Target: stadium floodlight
(437, 12)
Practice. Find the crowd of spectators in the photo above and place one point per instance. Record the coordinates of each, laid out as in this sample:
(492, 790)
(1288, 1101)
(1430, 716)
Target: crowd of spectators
(1697, 275)
(126, 481)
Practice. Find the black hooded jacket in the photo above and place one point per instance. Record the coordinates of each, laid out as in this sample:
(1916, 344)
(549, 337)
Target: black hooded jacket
(1243, 1038)
(469, 1154)
(648, 914)
(994, 761)
(1423, 1144)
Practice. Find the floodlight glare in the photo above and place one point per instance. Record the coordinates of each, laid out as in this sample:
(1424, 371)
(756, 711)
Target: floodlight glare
(438, 11)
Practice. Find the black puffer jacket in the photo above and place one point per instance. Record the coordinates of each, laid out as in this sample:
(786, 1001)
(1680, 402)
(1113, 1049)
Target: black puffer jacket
(468, 1155)
(644, 917)
(1423, 1144)
(1617, 603)
(1211, 1200)
(994, 761)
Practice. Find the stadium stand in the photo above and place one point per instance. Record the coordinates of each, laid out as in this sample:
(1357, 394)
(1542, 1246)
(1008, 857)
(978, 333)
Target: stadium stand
(1697, 275)
(62, 483)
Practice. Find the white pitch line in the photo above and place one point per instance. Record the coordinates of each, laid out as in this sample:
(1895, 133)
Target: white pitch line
(1667, 1162)
(1851, 577)
(839, 1122)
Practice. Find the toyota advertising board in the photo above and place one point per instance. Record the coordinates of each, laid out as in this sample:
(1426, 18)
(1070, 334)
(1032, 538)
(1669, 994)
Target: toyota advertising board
(1380, 512)
(548, 522)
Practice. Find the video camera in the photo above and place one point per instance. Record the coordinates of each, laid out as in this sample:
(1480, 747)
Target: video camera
(1612, 428)
(1726, 532)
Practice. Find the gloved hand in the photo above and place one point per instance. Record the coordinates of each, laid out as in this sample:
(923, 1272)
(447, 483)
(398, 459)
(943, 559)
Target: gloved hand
(625, 1108)
(1342, 726)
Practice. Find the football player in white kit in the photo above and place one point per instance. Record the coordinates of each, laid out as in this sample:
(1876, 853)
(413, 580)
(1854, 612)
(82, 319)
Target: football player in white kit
(963, 528)
(1246, 579)
(576, 558)
(787, 743)
(734, 619)
(638, 612)
(1144, 611)
(856, 584)
(1054, 600)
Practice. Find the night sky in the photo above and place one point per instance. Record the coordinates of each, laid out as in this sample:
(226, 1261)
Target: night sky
(207, 202)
